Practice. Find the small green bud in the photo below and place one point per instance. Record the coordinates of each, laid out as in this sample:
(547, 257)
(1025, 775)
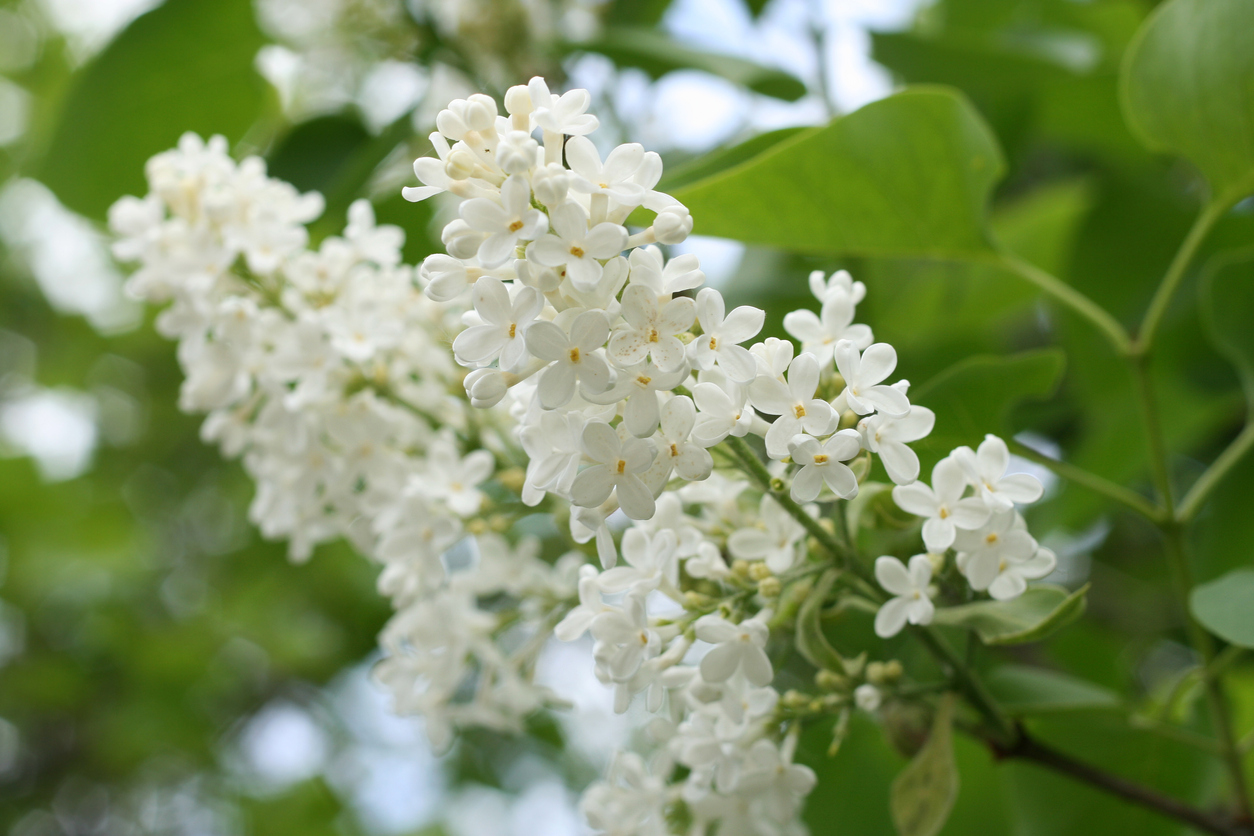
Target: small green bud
(758, 570)
(770, 587)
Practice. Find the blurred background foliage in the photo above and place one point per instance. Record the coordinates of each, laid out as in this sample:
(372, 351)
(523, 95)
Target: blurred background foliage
(163, 670)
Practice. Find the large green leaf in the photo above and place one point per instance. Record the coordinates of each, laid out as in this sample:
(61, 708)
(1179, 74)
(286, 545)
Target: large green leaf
(1227, 303)
(657, 54)
(909, 175)
(186, 66)
(924, 792)
(1030, 617)
(1188, 88)
(1225, 606)
(721, 159)
(975, 396)
(1022, 690)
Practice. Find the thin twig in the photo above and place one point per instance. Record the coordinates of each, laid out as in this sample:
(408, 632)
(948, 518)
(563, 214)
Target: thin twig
(1228, 459)
(1098, 484)
(1069, 296)
(1029, 749)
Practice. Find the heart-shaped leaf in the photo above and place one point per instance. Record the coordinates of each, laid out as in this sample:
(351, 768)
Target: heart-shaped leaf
(1188, 88)
(924, 792)
(1031, 617)
(909, 175)
(1022, 690)
(1225, 606)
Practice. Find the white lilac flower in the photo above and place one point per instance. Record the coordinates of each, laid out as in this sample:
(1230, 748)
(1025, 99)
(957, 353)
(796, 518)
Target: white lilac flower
(505, 323)
(564, 114)
(721, 336)
(691, 461)
(580, 618)
(573, 357)
(840, 283)
(683, 272)
(737, 647)
(619, 465)
(640, 386)
(651, 329)
(771, 778)
(612, 178)
(822, 463)
(798, 410)
(942, 505)
(774, 539)
(984, 554)
(651, 563)
(819, 334)
(887, 437)
(1013, 575)
(624, 639)
(573, 245)
(506, 223)
(554, 450)
(864, 373)
(985, 469)
(910, 590)
(724, 409)
(454, 479)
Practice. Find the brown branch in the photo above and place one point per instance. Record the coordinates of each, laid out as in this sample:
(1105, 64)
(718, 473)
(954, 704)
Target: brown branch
(1029, 749)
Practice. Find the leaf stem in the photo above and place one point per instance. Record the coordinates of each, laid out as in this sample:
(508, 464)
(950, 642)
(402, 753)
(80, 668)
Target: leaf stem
(1144, 339)
(1098, 484)
(1069, 296)
(1207, 482)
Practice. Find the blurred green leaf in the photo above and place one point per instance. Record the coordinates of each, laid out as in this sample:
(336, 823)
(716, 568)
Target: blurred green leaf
(1042, 610)
(909, 175)
(924, 792)
(1225, 606)
(976, 396)
(1021, 689)
(185, 66)
(1227, 303)
(313, 154)
(658, 54)
(1188, 88)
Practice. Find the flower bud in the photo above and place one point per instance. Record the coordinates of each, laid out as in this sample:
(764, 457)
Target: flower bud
(740, 568)
(867, 698)
(517, 152)
(461, 164)
(758, 570)
(460, 240)
(830, 681)
(443, 277)
(485, 387)
(550, 184)
(518, 101)
(672, 225)
(770, 587)
(480, 112)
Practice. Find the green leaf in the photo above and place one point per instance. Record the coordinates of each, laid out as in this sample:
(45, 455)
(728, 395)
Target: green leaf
(1031, 617)
(811, 642)
(1227, 300)
(909, 175)
(1188, 88)
(1225, 606)
(976, 395)
(185, 66)
(312, 154)
(924, 792)
(1021, 690)
(657, 54)
(721, 159)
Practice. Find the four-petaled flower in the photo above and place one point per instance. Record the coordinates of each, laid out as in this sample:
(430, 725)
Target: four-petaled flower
(618, 467)
(508, 222)
(798, 410)
(504, 328)
(650, 330)
(573, 244)
(573, 357)
(822, 462)
(910, 588)
(721, 335)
